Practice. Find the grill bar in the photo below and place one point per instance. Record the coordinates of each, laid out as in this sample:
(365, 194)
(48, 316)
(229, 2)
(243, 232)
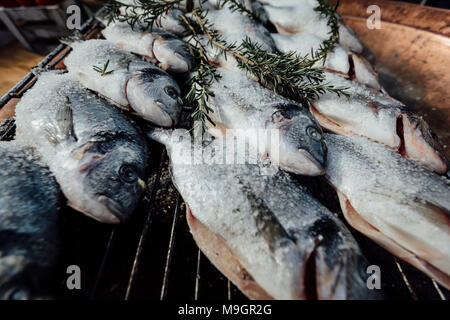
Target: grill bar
(405, 279)
(171, 249)
(439, 291)
(197, 275)
(101, 269)
(147, 223)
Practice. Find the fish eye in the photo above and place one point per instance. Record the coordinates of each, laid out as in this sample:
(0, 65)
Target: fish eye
(171, 92)
(18, 294)
(128, 173)
(314, 133)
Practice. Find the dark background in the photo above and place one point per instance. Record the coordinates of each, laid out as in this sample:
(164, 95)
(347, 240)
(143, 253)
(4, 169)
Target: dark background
(432, 3)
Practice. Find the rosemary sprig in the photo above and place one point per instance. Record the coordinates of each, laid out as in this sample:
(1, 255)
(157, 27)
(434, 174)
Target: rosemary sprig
(199, 93)
(204, 75)
(201, 25)
(287, 74)
(236, 5)
(145, 12)
(103, 69)
(327, 45)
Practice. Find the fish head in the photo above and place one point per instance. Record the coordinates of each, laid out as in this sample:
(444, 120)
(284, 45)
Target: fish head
(420, 143)
(111, 173)
(13, 281)
(155, 96)
(171, 22)
(334, 267)
(172, 53)
(302, 145)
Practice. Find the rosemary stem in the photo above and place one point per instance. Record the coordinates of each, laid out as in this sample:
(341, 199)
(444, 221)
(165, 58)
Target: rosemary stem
(218, 44)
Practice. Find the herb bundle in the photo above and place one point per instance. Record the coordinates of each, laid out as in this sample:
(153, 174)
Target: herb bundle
(287, 74)
(204, 75)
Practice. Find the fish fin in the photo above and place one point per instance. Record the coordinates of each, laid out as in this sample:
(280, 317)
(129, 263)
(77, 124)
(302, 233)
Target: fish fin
(62, 129)
(360, 224)
(50, 134)
(7, 127)
(218, 252)
(64, 118)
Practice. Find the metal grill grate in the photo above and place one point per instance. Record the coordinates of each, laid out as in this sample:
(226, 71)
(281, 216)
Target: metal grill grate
(153, 256)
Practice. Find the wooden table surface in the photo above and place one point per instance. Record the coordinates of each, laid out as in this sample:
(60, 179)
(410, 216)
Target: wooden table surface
(15, 63)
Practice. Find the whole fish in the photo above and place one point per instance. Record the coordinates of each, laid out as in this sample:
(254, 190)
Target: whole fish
(339, 59)
(380, 118)
(297, 16)
(273, 240)
(158, 46)
(29, 235)
(283, 130)
(395, 202)
(126, 80)
(96, 152)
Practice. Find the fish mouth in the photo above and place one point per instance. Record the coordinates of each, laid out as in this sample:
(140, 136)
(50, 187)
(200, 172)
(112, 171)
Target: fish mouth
(175, 64)
(182, 65)
(145, 106)
(303, 163)
(169, 60)
(114, 208)
(313, 166)
(105, 216)
(337, 281)
(162, 117)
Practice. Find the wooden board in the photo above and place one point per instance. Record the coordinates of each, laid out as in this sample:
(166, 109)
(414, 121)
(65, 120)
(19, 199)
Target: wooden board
(412, 52)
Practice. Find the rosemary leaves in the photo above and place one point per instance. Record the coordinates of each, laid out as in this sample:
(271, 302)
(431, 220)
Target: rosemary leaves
(145, 12)
(288, 74)
(327, 45)
(103, 70)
